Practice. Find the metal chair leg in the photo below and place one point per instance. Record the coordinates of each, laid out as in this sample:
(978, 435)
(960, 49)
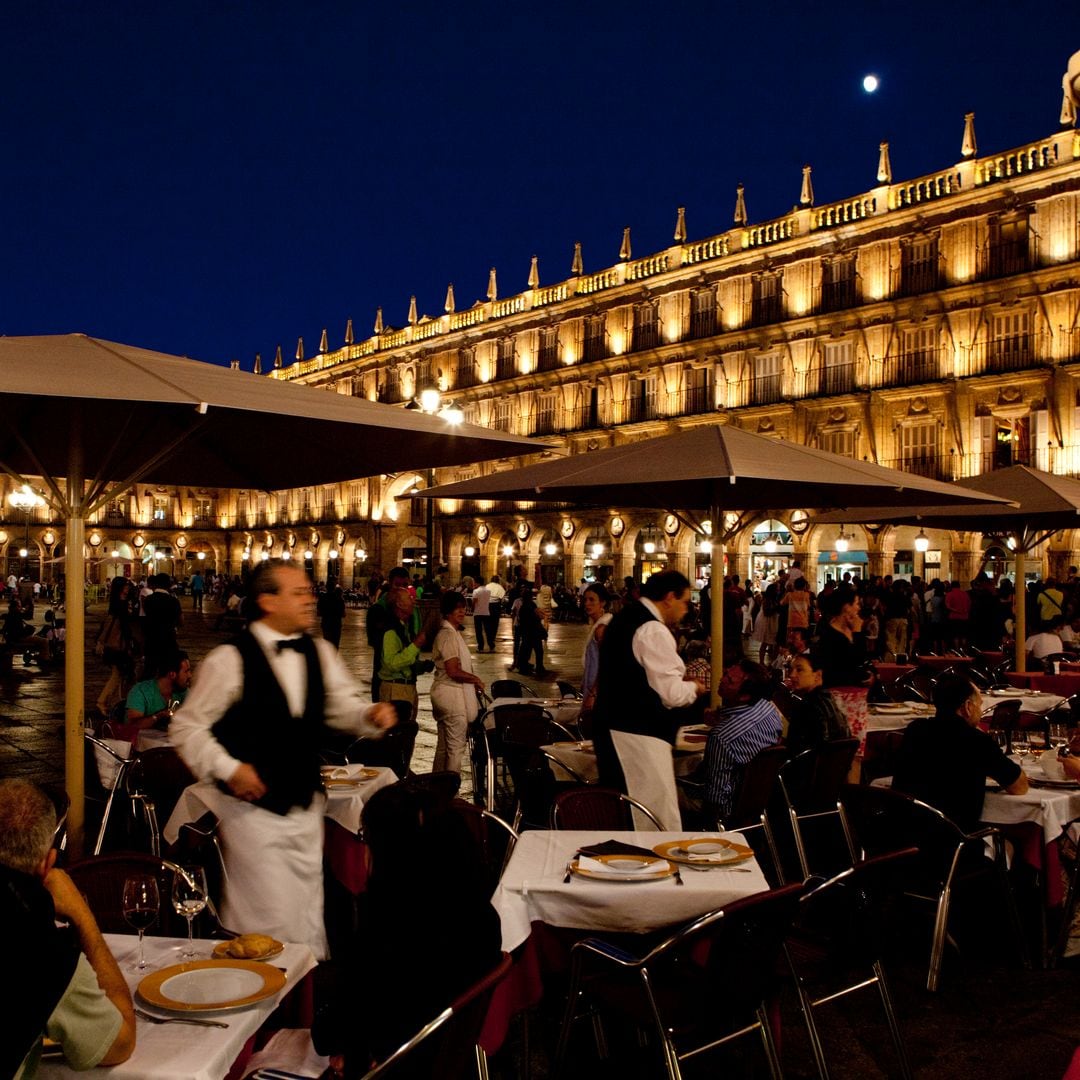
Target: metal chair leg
(775, 1069)
(573, 996)
(481, 1064)
(800, 846)
(937, 949)
(816, 1046)
(894, 1025)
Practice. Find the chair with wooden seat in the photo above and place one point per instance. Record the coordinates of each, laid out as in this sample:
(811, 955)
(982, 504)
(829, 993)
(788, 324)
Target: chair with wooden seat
(709, 983)
(599, 809)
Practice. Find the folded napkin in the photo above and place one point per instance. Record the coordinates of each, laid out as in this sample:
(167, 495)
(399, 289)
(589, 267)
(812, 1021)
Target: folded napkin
(616, 847)
(596, 867)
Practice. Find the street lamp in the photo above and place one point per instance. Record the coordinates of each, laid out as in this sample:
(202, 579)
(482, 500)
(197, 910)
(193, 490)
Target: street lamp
(842, 541)
(922, 545)
(26, 499)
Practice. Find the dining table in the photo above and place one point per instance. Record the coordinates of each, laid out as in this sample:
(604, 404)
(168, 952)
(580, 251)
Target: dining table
(180, 1051)
(1066, 684)
(1031, 700)
(577, 758)
(537, 888)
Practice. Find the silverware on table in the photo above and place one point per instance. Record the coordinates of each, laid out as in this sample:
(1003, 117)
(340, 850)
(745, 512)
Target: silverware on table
(678, 875)
(198, 1022)
(569, 872)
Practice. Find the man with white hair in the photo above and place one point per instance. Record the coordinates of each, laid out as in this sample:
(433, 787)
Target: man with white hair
(69, 986)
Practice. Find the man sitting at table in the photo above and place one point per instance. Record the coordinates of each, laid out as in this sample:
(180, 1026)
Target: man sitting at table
(64, 982)
(148, 701)
(747, 723)
(944, 759)
(254, 721)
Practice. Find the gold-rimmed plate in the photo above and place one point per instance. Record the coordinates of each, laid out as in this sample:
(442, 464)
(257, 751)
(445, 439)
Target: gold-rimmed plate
(350, 782)
(703, 851)
(211, 985)
(622, 868)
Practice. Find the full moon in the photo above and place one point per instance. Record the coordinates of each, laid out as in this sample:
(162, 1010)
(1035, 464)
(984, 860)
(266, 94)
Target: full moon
(870, 83)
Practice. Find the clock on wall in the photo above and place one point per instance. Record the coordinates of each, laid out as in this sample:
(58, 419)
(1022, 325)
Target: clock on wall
(617, 526)
(481, 532)
(671, 524)
(566, 528)
(523, 530)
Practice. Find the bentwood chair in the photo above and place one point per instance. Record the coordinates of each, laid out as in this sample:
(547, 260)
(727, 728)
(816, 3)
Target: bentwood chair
(598, 808)
(710, 982)
(878, 820)
(836, 944)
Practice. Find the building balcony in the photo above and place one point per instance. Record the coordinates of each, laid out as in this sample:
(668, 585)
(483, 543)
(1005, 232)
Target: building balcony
(910, 369)
(1007, 257)
(830, 380)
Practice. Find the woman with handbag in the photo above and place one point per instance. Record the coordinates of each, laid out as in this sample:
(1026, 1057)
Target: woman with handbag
(115, 646)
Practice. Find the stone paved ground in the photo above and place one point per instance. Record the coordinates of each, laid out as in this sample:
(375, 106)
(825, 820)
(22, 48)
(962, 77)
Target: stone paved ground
(989, 1021)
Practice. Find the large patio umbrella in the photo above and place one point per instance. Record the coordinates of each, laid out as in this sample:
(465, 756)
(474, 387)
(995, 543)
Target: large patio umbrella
(94, 417)
(1041, 504)
(717, 469)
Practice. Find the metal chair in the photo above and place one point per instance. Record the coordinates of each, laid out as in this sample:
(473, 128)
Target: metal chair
(916, 685)
(835, 946)
(810, 784)
(879, 755)
(1004, 718)
(879, 820)
(520, 736)
(495, 837)
(511, 688)
(706, 985)
(448, 1041)
(491, 740)
(161, 776)
(106, 774)
(393, 748)
(597, 808)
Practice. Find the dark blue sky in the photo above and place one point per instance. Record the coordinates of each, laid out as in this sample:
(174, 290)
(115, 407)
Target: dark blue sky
(214, 178)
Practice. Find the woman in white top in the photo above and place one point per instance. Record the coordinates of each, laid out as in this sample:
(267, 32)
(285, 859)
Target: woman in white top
(453, 692)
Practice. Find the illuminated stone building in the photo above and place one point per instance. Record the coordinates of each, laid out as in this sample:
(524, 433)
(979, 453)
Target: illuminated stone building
(930, 324)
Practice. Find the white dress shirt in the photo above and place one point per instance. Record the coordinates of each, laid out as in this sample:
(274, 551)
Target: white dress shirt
(219, 684)
(654, 649)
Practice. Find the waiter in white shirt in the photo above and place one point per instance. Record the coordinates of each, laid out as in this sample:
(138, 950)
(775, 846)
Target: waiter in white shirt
(254, 722)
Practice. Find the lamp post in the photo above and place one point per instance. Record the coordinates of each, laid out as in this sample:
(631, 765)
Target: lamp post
(26, 499)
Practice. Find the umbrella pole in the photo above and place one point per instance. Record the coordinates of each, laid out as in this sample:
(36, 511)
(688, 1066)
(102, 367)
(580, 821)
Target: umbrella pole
(716, 577)
(74, 657)
(1020, 614)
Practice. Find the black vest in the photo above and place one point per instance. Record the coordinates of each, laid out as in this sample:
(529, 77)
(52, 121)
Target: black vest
(624, 699)
(261, 731)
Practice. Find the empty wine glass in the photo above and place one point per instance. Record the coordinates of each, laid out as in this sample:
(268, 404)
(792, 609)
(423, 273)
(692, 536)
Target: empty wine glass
(189, 898)
(141, 904)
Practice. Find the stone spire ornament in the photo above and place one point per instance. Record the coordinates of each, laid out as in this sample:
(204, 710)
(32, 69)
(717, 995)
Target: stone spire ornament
(969, 148)
(412, 311)
(258, 364)
(806, 195)
(577, 267)
(624, 250)
(378, 321)
(740, 206)
(349, 339)
(448, 307)
(277, 357)
(534, 274)
(884, 167)
(324, 342)
(680, 226)
(493, 288)
(299, 348)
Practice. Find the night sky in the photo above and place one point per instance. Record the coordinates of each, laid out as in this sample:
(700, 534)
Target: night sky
(211, 179)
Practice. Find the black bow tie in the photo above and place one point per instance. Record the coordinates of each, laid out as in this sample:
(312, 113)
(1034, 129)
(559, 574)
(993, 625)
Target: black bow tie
(296, 644)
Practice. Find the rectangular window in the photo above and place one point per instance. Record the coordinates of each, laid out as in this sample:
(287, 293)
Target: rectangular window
(766, 302)
(838, 376)
(918, 357)
(645, 327)
(544, 420)
(920, 450)
(838, 284)
(697, 391)
(548, 360)
(641, 405)
(204, 511)
(1011, 345)
(466, 369)
(839, 441)
(502, 414)
(767, 379)
(391, 387)
(703, 313)
(506, 362)
(919, 271)
(1008, 250)
(595, 338)
(423, 375)
(161, 507)
(118, 509)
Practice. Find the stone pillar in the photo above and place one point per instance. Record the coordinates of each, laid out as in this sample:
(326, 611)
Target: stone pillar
(962, 565)
(576, 569)
(622, 566)
(880, 562)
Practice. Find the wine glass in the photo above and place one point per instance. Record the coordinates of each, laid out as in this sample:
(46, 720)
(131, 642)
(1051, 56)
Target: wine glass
(189, 898)
(141, 904)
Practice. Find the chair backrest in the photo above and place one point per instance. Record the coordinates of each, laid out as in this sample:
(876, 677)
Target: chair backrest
(511, 688)
(1031, 723)
(393, 748)
(916, 685)
(568, 689)
(598, 808)
(879, 754)
(494, 836)
(162, 776)
(533, 729)
(100, 878)
(811, 781)
(445, 1046)
(759, 781)
(1005, 715)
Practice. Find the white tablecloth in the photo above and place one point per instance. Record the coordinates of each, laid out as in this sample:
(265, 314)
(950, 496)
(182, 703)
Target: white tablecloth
(343, 806)
(582, 759)
(1034, 703)
(1050, 808)
(895, 719)
(563, 710)
(532, 888)
(181, 1051)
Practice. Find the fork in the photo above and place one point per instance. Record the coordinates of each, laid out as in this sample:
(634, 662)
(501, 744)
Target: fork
(678, 875)
(179, 1020)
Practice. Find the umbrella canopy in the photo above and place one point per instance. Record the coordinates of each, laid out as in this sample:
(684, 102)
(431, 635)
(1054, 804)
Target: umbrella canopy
(714, 468)
(104, 416)
(1041, 504)
(705, 467)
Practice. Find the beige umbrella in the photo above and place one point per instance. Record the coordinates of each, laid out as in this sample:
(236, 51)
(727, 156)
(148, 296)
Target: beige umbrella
(93, 418)
(1041, 504)
(716, 469)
